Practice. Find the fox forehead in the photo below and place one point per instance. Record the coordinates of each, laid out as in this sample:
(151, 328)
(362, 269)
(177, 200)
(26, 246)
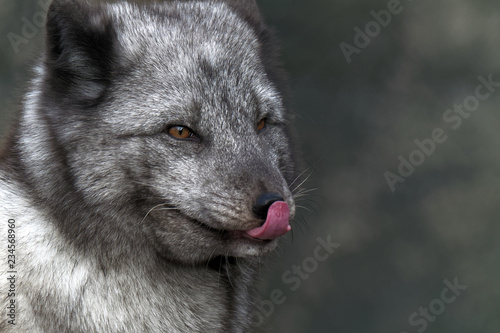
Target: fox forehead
(181, 70)
(179, 29)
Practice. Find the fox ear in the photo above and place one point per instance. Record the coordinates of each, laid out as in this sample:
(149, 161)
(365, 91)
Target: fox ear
(80, 50)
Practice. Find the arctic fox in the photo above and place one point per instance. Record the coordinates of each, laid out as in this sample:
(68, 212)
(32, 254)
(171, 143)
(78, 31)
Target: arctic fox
(148, 172)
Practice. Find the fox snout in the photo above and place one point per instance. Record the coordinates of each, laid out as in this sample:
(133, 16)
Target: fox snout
(263, 202)
(275, 212)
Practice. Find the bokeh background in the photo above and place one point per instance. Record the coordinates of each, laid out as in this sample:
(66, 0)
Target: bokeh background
(354, 121)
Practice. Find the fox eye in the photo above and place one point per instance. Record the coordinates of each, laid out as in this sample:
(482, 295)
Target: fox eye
(181, 132)
(261, 124)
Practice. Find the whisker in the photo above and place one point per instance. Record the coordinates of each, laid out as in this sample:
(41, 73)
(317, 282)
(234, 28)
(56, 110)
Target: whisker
(301, 223)
(291, 184)
(210, 258)
(298, 206)
(227, 270)
(141, 183)
(305, 191)
(298, 186)
(163, 204)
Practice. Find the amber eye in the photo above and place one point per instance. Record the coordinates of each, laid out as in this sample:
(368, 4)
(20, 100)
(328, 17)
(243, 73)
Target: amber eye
(180, 132)
(261, 124)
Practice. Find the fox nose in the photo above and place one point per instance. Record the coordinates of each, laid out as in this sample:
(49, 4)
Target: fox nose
(264, 201)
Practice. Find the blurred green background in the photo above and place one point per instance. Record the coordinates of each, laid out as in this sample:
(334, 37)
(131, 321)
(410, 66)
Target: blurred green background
(354, 121)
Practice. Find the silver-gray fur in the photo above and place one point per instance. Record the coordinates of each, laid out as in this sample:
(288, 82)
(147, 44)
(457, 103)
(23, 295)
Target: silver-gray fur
(121, 227)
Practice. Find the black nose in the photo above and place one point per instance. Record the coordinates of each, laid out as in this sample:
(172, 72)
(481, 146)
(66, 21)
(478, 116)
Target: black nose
(264, 201)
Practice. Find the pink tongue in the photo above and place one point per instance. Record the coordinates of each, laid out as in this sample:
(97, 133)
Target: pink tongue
(276, 222)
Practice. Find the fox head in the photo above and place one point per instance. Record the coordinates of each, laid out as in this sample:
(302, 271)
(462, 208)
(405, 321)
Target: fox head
(169, 119)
